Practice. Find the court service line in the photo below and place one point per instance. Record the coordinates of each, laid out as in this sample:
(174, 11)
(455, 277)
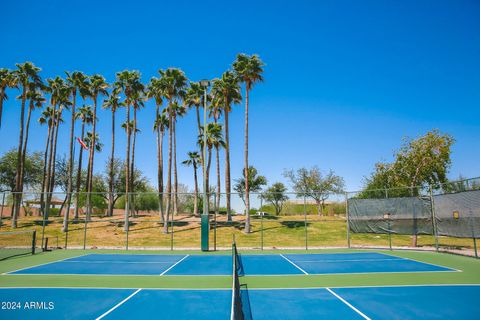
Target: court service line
(281, 255)
(118, 304)
(174, 264)
(348, 304)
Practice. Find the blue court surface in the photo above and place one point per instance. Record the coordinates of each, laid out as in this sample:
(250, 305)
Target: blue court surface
(270, 264)
(402, 302)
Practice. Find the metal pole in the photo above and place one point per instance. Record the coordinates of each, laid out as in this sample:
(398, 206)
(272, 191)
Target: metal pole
(1, 209)
(44, 218)
(261, 223)
(347, 218)
(171, 233)
(475, 247)
(127, 232)
(85, 231)
(434, 218)
(388, 225)
(305, 220)
(215, 222)
(66, 227)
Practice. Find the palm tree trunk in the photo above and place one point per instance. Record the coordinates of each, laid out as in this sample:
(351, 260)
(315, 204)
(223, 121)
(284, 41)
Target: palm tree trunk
(247, 190)
(207, 178)
(49, 166)
(112, 158)
(91, 160)
(217, 204)
(44, 176)
(51, 175)
(16, 209)
(132, 165)
(2, 94)
(169, 169)
(175, 175)
(24, 151)
(127, 171)
(79, 175)
(195, 200)
(160, 169)
(227, 167)
(70, 166)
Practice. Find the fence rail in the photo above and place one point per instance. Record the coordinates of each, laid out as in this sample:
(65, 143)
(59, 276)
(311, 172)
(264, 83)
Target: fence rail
(291, 221)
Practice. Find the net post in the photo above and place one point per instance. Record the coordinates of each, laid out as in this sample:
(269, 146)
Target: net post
(434, 218)
(305, 220)
(261, 222)
(348, 220)
(34, 237)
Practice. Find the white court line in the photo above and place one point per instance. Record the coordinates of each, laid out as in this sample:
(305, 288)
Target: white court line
(118, 304)
(43, 264)
(348, 304)
(432, 264)
(174, 264)
(281, 255)
(122, 262)
(350, 260)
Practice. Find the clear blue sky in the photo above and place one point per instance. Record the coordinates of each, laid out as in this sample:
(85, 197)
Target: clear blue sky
(344, 80)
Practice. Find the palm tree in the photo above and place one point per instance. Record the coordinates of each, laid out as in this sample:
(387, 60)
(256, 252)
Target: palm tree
(7, 80)
(172, 83)
(214, 139)
(178, 111)
(36, 100)
(226, 91)
(193, 160)
(25, 74)
(133, 131)
(89, 140)
(85, 114)
(48, 117)
(97, 86)
(154, 91)
(137, 100)
(249, 70)
(112, 103)
(218, 142)
(76, 81)
(129, 82)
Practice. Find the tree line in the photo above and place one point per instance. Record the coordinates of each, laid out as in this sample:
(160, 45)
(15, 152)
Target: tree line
(174, 95)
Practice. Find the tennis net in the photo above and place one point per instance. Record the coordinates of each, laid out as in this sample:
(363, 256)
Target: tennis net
(16, 243)
(237, 306)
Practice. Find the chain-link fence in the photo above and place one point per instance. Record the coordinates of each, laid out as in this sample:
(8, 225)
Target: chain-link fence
(443, 218)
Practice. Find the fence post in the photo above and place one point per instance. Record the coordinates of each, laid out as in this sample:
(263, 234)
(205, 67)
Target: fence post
(305, 220)
(45, 214)
(66, 226)
(215, 222)
(388, 224)
(1, 209)
(171, 222)
(261, 223)
(434, 218)
(348, 219)
(127, 232)
(85, 230)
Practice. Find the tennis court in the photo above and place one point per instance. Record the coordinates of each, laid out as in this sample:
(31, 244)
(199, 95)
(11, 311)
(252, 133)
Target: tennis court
(401, 302)
(247, 285)
(205, 265)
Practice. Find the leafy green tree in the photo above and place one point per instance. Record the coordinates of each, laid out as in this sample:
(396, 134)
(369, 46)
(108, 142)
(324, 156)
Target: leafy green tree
(32, 177)
(311, 183)
(275, 195)
(255, 181)
(249, 70)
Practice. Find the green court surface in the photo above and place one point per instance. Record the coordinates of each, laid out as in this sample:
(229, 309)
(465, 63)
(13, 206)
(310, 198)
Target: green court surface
(469, 267)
